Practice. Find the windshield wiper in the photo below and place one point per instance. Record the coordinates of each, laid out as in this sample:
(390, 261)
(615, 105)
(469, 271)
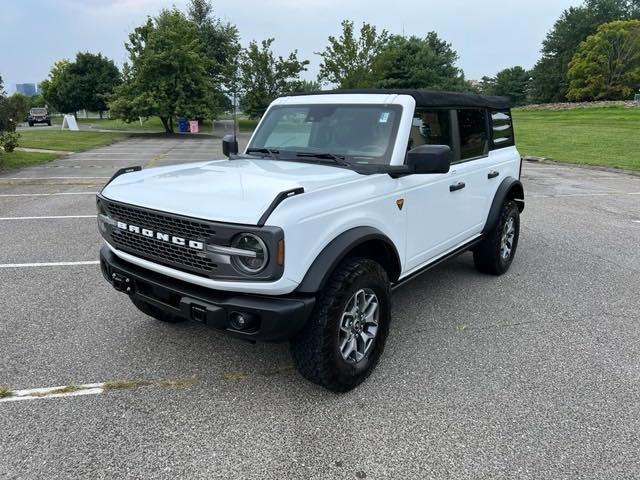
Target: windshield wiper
(269, 151)
(339, 159)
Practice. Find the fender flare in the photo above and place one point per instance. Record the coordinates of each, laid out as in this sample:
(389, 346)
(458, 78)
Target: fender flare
(330, 257)
(510, 188)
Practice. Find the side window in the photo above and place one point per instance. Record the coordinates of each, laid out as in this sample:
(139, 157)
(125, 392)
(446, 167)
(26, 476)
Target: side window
(430, 127)
(501, 129)
(474, 141)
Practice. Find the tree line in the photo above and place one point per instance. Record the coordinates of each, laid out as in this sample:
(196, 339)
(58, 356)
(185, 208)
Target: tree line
(191, 64)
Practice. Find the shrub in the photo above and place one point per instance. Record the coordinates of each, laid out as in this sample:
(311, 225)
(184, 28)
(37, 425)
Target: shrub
(9, 140)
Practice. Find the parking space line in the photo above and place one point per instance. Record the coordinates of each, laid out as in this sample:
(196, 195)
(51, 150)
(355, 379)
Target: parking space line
(54, 392)
(555, 195)
(47, 178)
(45, 194)
(48, 264)
(52, 217)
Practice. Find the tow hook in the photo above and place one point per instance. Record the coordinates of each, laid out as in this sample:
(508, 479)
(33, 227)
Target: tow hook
(121, 283)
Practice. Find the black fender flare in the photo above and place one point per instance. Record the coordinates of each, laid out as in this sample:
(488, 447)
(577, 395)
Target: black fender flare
(510, 188)
(330, 257)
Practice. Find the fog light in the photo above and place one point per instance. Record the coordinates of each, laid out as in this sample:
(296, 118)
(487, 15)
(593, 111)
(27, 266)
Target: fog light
(242, 321)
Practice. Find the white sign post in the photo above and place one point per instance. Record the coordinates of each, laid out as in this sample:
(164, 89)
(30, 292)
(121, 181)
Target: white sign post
(70, 122)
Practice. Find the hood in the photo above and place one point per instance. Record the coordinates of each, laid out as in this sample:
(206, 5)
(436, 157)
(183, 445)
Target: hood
(235, 191)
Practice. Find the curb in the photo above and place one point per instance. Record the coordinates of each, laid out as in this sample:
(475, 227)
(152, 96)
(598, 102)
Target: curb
(549, 161)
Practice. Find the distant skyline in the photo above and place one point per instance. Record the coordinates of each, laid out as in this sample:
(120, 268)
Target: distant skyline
(488, 35)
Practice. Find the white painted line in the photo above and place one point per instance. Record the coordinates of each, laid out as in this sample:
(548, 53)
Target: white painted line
(41, 393)
(634, 193)
(47, 264)
(582, 194)
(52, 217)
(45, 194)
(47, 178)
(636, 221)
(108, 153)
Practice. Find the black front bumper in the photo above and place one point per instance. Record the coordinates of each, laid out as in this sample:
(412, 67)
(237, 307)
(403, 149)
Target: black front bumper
(277, 318)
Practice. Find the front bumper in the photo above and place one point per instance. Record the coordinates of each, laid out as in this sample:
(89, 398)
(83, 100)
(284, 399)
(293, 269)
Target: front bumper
(277, 318)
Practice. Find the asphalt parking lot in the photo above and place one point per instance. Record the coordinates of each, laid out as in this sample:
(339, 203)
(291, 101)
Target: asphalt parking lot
(535, 374)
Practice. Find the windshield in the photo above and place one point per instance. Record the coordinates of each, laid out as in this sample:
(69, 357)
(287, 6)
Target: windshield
(362, 134)
(38, 111)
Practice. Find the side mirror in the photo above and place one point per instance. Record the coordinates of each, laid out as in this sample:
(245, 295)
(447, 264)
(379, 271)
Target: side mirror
(429, 159)
(229, 145)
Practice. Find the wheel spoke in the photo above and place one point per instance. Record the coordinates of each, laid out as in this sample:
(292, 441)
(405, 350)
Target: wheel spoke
(349, 347)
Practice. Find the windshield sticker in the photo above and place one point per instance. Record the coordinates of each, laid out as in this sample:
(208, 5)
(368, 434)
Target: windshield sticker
(384, 117)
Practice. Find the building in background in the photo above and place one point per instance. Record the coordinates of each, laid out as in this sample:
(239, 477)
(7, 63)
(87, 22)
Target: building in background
(28, 89)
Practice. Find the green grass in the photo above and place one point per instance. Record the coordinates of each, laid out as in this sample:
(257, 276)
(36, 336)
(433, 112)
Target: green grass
(22, 159)
(67, 140)
(5, 391)
(605, 136)
(245, 124)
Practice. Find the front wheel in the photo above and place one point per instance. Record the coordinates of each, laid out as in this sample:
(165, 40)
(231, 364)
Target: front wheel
(345, 336)
(495, 253)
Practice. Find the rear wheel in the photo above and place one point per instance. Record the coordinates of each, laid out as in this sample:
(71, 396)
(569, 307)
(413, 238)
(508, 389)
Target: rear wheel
(154, 312)
(345, 336)
(31, 124)
(496, 252)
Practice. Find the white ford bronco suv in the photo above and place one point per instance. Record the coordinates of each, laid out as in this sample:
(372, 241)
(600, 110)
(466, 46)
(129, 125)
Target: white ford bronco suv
(338, 198)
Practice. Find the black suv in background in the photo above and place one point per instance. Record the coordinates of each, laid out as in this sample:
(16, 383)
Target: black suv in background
(39, 115)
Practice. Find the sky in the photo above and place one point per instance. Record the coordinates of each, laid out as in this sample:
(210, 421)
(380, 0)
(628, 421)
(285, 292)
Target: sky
(489, 35)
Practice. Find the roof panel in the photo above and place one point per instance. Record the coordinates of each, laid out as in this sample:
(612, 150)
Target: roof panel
(428, 98)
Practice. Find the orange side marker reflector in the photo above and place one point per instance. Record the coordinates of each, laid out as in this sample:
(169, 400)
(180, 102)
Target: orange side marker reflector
(280, 254)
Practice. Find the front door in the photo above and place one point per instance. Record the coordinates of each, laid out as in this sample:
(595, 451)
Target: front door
(445, 210)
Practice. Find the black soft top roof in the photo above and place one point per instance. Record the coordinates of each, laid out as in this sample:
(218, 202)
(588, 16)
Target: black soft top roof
(428, 98)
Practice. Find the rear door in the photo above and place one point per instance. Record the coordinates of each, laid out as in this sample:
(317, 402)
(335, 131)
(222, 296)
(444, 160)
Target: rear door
(470, 171)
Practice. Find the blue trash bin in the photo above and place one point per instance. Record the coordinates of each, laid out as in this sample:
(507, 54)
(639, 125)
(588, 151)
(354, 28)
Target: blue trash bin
(182, 125)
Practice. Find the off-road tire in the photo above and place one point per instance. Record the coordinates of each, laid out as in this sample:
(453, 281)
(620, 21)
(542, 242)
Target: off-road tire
(487, 255)
(31, 124)
(315, 350)
(154, 312)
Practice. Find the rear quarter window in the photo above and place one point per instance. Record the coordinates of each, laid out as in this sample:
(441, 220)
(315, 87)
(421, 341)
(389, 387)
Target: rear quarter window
(501, 129)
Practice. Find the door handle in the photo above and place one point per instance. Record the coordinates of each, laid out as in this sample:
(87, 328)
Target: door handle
(457, 186)
(493, 174)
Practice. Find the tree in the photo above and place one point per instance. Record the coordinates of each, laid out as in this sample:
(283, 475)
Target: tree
(265, 77)
(61, 90)
(221, 48)
(94, 77)
(16, 107)
(167, 75)
(8, 136)
(306, 86)
(607, 64)
(550, 82)
(415, 62)
(511, 82)
(347, 61)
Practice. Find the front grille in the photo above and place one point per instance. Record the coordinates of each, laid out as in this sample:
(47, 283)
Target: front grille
(159, 251)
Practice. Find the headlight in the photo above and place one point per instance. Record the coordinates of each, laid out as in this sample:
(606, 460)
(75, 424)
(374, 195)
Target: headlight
(251, 243)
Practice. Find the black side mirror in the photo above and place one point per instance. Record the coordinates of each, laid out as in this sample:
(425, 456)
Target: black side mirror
(229, 145)
(429, 159)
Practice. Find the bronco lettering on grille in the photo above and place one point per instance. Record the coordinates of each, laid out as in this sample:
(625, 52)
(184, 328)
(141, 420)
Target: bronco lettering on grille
(165, 237)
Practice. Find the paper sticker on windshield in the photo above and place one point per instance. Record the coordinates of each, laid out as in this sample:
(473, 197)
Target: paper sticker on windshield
(384, 117)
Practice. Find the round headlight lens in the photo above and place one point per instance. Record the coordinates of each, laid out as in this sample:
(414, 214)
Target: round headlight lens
(253, 243)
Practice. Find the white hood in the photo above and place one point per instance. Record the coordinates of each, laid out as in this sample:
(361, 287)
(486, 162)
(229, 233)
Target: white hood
(235, 191)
